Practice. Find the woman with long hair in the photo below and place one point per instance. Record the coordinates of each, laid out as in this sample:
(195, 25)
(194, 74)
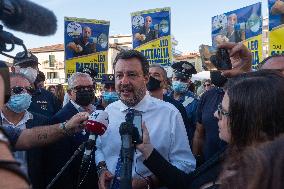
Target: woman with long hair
(251, 113)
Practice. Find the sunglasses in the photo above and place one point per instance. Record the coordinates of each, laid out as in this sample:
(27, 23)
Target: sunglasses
(20, 90)
(81, 88)
(221, 111)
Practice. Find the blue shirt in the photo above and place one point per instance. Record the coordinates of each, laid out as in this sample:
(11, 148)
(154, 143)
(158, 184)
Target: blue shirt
(190, 102)
(13, 134)
(44, 103)
(205, 115)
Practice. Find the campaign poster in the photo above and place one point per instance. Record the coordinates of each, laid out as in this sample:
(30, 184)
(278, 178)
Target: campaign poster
(151, 31)
(86, 45)
(276, 27)
(241, 25)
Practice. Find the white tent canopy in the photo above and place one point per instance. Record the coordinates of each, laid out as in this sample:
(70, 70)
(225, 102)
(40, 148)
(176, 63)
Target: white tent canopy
(201, 76)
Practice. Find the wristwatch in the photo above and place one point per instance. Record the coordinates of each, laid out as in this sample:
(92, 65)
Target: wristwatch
(65, 130)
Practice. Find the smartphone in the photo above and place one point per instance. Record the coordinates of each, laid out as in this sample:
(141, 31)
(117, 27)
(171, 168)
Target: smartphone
(137, 122)
(215, 58)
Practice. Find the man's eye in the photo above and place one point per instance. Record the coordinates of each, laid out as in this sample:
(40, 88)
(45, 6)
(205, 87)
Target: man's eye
(132, 75)
(119, 76)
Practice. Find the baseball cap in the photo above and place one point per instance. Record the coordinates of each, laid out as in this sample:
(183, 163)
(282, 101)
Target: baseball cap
(21, 59)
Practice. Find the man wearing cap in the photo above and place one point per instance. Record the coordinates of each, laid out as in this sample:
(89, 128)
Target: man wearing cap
(43, 102)
(182, 73)
(109, 95)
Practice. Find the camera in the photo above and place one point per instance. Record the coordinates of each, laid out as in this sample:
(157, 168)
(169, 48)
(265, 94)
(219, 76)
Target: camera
(221, 60)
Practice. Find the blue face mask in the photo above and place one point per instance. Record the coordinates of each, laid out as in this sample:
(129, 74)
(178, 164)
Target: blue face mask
(179, 87)
(110, 97)
(19, 103)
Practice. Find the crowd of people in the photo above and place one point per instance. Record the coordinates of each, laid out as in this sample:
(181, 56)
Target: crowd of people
(227, 133)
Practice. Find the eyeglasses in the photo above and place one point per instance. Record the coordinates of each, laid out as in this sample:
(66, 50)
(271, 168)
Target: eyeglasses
(207, 85)
(20, 90)
(221, 111)
(81, 88)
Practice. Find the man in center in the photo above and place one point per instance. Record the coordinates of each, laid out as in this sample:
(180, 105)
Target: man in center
(162, 119)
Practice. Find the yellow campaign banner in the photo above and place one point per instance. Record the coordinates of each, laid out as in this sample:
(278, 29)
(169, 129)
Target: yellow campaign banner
(97, 61)
(158, 51)
(151, 31)
(276, 27)
(255, 46)
(276, 41)
(86, 45)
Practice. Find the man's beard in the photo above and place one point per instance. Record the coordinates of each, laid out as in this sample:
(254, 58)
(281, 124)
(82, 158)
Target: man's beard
(138, 94)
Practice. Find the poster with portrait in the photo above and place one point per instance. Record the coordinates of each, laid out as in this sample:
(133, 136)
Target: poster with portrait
(151, 31)
(86, 45)
(241, 25)
(276, 27)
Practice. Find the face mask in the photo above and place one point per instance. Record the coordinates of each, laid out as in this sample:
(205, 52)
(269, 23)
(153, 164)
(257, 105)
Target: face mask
(217, 79)
(110, 97)
(30, 73)
(153, 84)
(84, 97)
(20, 102)
(179, 87)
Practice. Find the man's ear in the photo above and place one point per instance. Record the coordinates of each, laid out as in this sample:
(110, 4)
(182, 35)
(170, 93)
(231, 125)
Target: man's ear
(146, 78)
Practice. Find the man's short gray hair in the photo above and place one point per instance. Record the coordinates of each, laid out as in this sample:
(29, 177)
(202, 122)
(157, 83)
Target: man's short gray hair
(162, 68)
(74, 76)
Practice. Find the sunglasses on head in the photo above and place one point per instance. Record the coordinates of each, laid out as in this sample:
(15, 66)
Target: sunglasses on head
(221, 111)
(81, 88)
(20, 90)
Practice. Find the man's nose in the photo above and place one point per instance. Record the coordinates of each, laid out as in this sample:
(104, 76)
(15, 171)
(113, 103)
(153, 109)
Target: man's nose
(125, 79)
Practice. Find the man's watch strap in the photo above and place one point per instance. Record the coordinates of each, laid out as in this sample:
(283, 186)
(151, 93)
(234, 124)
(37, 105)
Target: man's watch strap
(101, 167)
(65, 130)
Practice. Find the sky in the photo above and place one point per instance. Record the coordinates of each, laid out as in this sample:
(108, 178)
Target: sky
(191, 20)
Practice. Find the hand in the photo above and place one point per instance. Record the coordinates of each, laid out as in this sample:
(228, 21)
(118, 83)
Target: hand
(241, 59)
(72, 46)
(278, 7)
(139, 183)
(137, 36)
(146, 147)
(77, 122)
(104, 179)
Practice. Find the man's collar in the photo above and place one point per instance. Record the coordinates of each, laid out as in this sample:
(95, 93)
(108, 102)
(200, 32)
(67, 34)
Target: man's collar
(81, 109)
(142, 106)
(26, 117)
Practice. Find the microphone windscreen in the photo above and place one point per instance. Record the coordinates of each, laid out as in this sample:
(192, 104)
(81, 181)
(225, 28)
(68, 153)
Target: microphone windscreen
(97, 122)
(33, 19)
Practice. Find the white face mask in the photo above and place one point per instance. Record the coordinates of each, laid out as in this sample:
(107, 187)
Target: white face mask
(30, 73)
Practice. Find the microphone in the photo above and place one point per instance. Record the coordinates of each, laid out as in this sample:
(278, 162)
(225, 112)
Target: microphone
(96, 125)
(27, 17)
(127, 154)
(9, 38)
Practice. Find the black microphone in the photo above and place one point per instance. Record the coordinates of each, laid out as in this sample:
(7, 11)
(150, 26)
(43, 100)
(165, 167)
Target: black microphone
(127, 154)
(9, 38)
(27, 17)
